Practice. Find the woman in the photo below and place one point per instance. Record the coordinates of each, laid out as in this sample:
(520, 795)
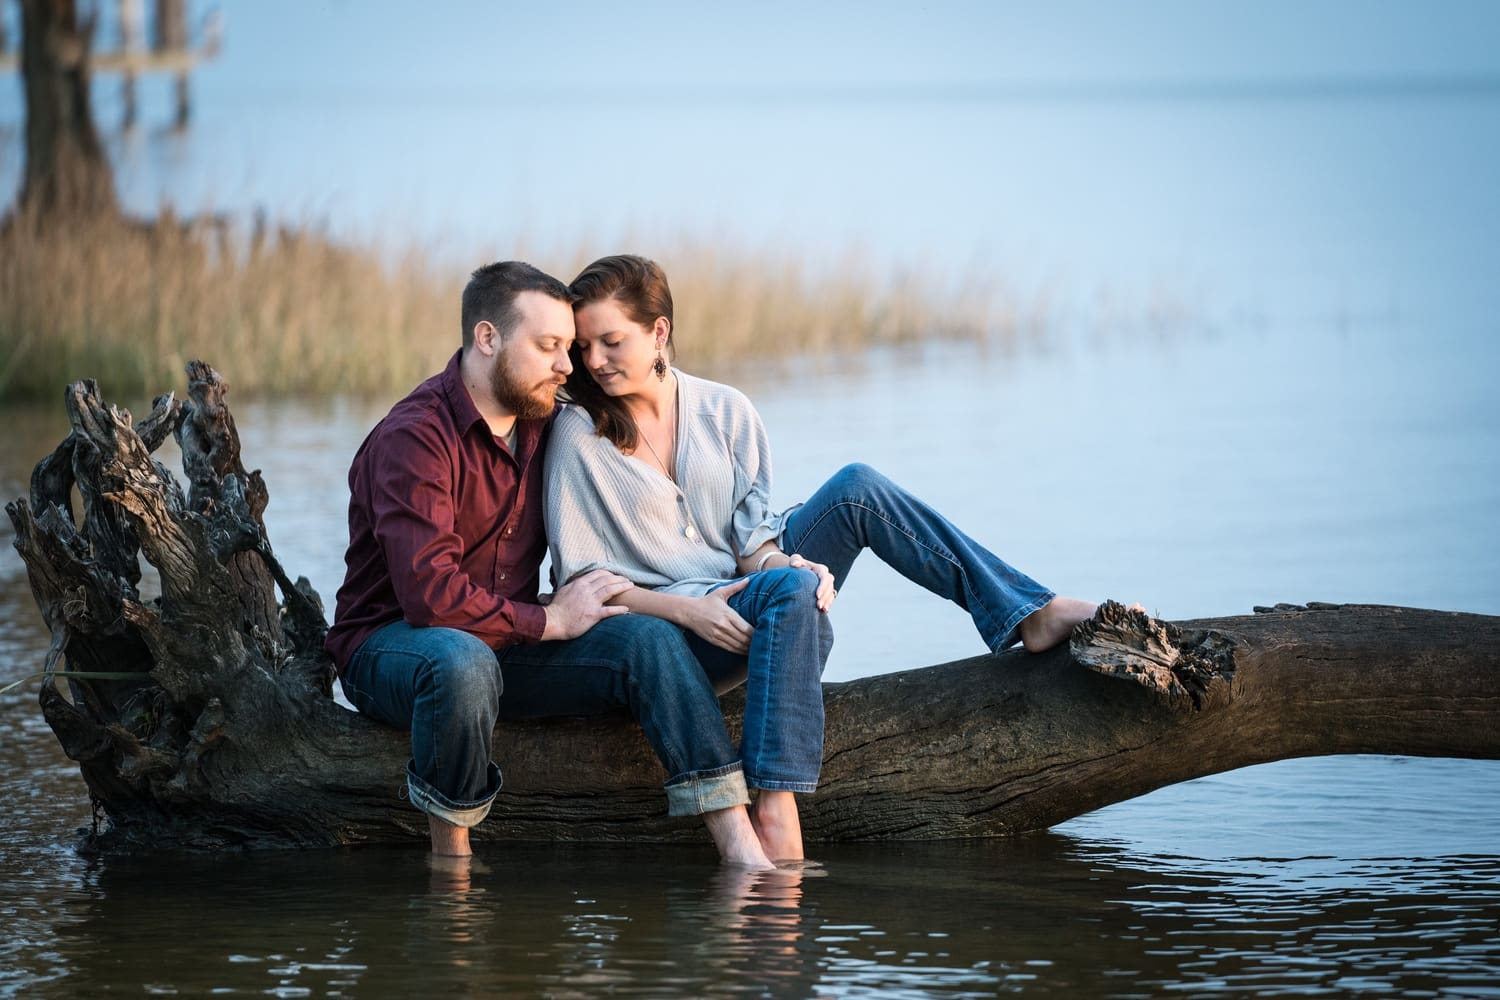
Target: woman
(665, 478)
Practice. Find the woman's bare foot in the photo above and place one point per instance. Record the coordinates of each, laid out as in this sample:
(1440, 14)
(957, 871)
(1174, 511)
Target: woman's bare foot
(736, 839)
(1052, 623)
(774, 816)
(448, 841)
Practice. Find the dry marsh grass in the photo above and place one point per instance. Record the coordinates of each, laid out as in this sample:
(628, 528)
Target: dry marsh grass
(278, 311)
(290, 311)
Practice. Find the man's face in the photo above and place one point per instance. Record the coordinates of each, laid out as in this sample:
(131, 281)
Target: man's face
(533, 361)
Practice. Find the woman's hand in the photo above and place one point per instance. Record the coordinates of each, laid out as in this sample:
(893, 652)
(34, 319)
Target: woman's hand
(713, 620)
(826, 593)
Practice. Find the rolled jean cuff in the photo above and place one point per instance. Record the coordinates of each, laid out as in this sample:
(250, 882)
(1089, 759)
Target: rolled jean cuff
(435, 803)
(1012, 633)
(706, 791)
(772, 785)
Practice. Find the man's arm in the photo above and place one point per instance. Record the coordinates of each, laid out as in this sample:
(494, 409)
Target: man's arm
(577, 606)
(413, 518)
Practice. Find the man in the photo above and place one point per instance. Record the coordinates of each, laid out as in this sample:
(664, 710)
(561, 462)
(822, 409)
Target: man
(440, 597)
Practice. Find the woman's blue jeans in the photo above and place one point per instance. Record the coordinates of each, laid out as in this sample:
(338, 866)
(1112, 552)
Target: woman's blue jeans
(781, 743)
(860, 509)
(445, 686)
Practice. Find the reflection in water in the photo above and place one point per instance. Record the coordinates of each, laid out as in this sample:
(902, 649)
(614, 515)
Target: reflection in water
(1043, 915)
(754, 923)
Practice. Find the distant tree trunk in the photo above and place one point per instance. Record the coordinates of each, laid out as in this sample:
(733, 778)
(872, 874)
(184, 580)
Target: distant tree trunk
(67, 173)
(171, 33)
(131, 37)
(172, 36)
(222, 734)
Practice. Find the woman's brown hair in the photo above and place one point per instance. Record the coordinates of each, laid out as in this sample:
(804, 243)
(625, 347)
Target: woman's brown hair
(640, 287)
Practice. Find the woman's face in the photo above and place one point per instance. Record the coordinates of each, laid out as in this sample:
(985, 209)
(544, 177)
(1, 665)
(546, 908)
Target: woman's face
(617, 351)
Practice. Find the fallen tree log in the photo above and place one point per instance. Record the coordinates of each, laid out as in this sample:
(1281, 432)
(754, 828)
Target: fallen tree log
(216, 727)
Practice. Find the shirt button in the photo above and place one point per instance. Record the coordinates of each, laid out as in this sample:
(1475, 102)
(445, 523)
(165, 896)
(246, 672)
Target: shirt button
(502, 576)
(508, 531)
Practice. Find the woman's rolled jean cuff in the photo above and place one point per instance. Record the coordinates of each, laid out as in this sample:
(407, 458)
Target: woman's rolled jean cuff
(435, 803)
(707, 791)
(1012, 633)
(772, 785)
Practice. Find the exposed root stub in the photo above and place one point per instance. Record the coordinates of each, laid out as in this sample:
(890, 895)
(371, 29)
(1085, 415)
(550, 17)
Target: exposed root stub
(1190, 672)
(1284, 608)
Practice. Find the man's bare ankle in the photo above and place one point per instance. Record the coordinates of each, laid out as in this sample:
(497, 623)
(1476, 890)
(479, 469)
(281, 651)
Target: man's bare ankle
(448, 840)
(736, 839)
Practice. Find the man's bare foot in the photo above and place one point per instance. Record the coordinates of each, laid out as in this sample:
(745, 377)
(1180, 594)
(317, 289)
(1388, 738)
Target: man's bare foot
(736, 840)
(448, 840)
(774, 816)
(1052, 623)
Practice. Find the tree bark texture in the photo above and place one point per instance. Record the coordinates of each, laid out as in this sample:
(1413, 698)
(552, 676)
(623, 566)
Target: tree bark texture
(229, 736)
(68, 175)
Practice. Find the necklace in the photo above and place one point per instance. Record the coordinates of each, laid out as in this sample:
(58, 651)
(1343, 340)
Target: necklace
(671, 438)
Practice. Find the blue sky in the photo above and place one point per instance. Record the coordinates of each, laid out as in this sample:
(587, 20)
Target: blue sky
(386, 47)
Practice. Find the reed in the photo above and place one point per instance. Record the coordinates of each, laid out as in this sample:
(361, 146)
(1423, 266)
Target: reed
(289, 310)
(735, 304)
(283, 310)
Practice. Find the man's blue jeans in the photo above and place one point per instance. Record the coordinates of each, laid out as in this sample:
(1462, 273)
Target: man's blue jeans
(445, 686)
(860, 509)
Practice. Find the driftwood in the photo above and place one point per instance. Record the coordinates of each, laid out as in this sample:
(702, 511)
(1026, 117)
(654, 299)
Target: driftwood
(223, 732)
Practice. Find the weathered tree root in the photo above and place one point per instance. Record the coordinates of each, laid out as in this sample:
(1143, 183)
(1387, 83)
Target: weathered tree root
(1187, 671)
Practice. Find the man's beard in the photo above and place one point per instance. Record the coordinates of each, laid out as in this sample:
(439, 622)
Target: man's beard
(526, 402)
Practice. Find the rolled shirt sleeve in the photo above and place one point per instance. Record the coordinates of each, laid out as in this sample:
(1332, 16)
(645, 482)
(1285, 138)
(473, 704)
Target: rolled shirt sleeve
(753, 522)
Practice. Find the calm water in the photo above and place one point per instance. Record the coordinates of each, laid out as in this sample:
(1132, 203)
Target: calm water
(1338, 876)
(1264, 372)
(1046, 915)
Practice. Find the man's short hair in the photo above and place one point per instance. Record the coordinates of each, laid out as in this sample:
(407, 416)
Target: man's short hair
(491, 295)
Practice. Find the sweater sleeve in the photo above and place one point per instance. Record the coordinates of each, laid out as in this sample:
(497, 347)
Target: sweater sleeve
(753, 523)
(577, 543)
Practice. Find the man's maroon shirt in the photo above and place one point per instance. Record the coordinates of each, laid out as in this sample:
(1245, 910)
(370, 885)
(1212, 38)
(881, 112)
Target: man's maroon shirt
(445, 524)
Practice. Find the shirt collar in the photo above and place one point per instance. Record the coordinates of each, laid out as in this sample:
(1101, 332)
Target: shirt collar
(466, 414)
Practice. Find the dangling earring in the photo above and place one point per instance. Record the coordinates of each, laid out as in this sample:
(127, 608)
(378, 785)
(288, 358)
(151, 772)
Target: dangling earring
(660, 367)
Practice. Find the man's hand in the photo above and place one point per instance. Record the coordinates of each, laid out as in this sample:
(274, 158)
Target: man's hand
(583, 601)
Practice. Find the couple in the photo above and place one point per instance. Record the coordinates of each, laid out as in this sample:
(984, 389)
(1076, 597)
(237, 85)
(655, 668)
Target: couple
(654, 490)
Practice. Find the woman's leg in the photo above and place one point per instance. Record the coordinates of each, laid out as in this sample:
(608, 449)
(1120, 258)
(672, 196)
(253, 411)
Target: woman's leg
(860, 509)
(644, 664)
(782, 741)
